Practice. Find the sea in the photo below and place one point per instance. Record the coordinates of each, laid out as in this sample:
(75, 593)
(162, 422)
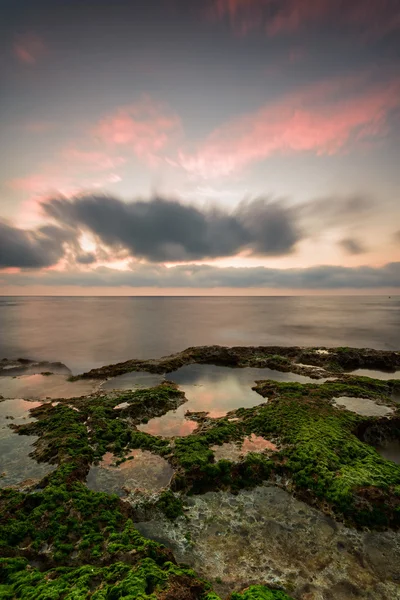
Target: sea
(88, 332)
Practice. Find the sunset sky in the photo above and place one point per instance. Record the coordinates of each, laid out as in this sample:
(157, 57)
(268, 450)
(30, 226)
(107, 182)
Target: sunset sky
(199, 147)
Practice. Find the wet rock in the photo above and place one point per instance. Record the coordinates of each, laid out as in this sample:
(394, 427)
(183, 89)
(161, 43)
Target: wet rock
(266, 536)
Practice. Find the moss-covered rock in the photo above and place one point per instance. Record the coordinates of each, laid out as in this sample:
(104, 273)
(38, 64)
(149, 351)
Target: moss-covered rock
(260, 592)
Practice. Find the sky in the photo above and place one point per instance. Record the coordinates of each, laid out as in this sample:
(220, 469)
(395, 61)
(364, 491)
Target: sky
(167, 147)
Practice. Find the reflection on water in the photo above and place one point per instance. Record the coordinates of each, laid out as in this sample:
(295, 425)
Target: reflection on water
(216, 390)
(363, 406)
(144, 470)
(384, 375)
(134, 380)
(15, 462)
(396, 396)
(90, 332)
(40, 387)
(12, 369)
(234, 452)
(390, 450)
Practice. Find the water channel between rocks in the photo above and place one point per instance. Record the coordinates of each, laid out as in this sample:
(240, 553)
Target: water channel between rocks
(374, 374)
(15, 462)
(42, 387)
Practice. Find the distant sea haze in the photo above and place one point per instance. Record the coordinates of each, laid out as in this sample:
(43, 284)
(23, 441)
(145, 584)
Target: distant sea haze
(89, 332)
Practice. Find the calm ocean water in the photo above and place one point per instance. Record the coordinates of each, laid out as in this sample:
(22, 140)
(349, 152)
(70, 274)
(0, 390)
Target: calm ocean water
(90, 332)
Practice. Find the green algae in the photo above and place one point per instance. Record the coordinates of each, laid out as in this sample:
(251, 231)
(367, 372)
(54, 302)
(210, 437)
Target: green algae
(320, 452)
(85, 542)
(260, 592)
(321, 455)
(144, 581)
(84, 429)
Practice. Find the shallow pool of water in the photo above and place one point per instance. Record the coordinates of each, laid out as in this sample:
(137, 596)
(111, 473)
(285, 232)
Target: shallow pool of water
(396, 396)
(234, 452)
(15, 462)
(133, 380)
(42, 387)
(390, 450)
(363, 406)
(216, 390)
(384, 375)
(144, 471)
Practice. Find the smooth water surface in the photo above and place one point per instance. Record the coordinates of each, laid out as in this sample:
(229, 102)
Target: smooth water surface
(216, 390)
(90, 332)
(390, 450)
(42, 387)
(133, 381)
(363, 406)
(15, 462)
(383, 375)
(144, 471)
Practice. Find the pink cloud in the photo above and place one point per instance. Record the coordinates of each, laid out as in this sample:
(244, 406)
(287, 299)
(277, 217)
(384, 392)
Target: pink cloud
(323, 119)
(36, 183)
(145, 127)
(29, 48)
(96, 160)
(375, 17)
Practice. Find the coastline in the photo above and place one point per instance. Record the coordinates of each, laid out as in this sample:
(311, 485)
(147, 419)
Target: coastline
(321, 463)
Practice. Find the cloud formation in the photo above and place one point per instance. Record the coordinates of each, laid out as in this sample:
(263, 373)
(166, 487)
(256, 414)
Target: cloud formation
(28, 48)
(352, 246)
(31, 249)
(372, 18)
(205, 276)
(162, 230)
(324, 118)
(145, 128)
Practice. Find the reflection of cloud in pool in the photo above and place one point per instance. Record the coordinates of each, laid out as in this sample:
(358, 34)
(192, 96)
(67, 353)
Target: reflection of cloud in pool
(234, 452)
(40, 387)
(256, 443)
(216, 390)
(144, 470)
(171, 424)
(15, 461)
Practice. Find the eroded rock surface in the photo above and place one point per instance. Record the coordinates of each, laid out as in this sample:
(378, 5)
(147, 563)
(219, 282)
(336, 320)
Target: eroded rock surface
(267, 536)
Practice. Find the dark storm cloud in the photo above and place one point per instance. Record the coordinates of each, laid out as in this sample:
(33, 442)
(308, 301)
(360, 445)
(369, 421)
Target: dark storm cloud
(205, 276)
(161, 230)
(352, 246)
(87, 258)
(31, 249)
(166, 230)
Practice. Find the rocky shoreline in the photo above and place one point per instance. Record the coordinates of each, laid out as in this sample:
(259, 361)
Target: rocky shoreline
(318, 479)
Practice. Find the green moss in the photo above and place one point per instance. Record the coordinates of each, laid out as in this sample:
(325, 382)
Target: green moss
(321, 454)
(144, 581)
(260, 592)
(170, 504)
(83, 430)
(86, 542)
(68, 518)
